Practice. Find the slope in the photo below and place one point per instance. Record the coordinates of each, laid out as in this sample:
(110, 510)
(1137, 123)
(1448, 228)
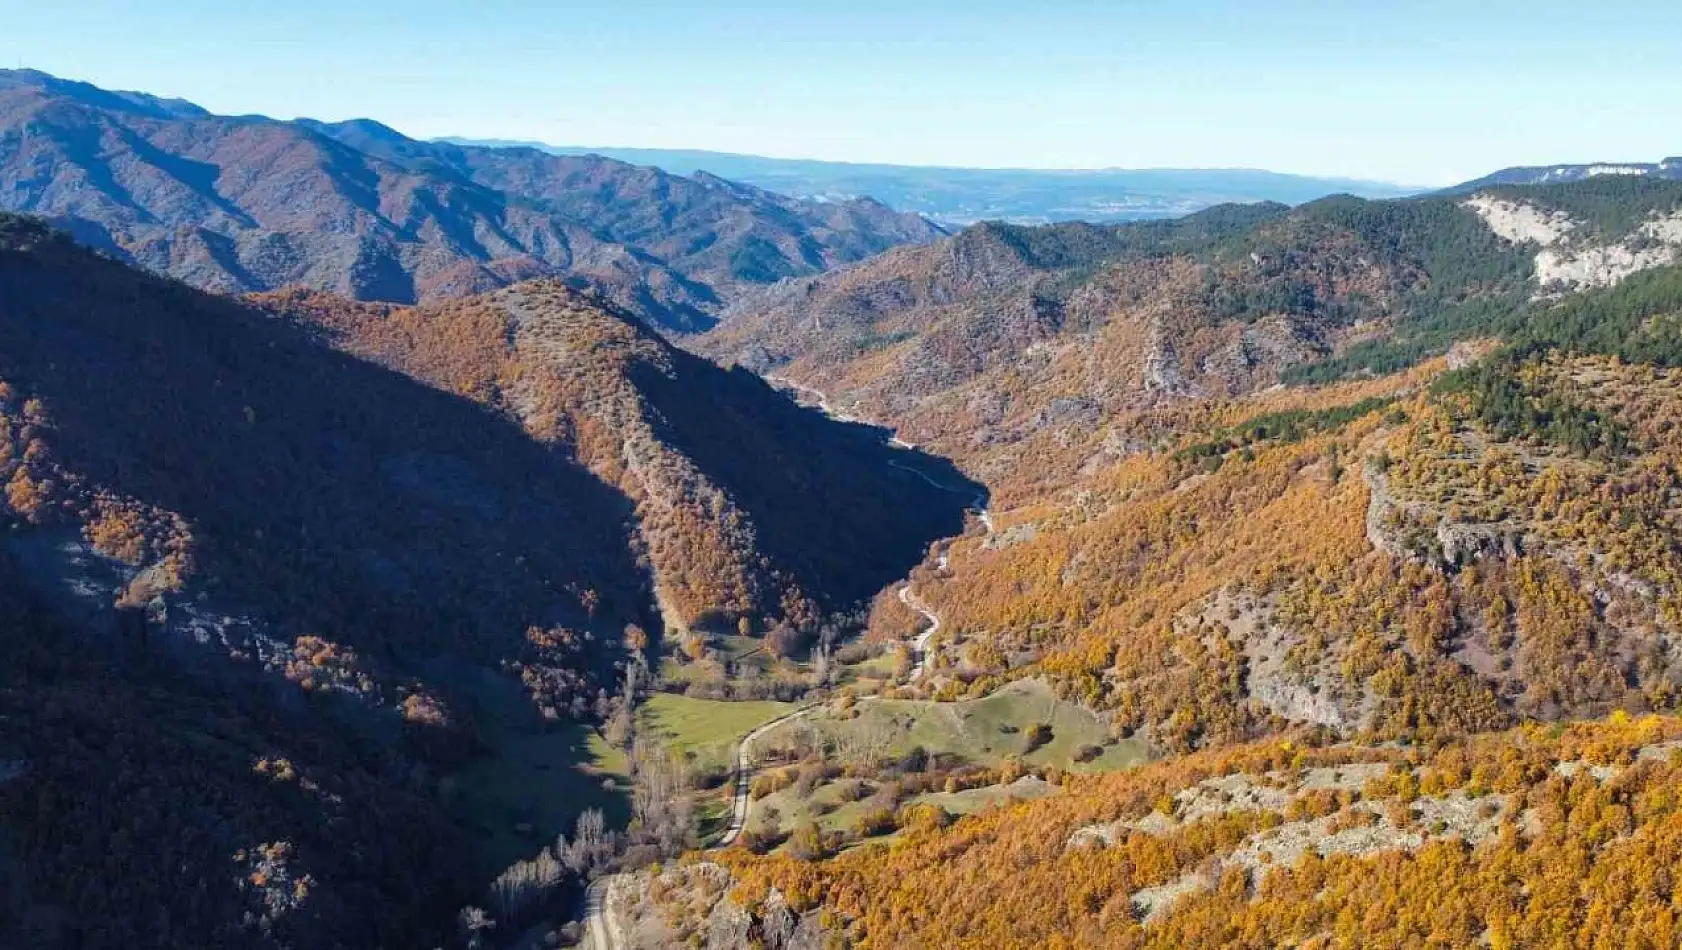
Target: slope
(1208, 555)
(1010, 349)
(257, 589)
(1539, 837)
(141, 808)
(272, 598)
(1365, 616)
(752, 511)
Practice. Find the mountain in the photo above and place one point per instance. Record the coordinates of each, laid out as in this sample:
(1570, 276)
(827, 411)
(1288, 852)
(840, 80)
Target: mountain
(724, 474)
(962, 196)
(1158, 493)
(1669, 168)
(1360, 517)
(282, 572)
(1004, 347)
(1276, 575)
(241, 204)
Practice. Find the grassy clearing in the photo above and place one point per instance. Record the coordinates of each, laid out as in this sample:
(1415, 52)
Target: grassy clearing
(990, 730)
(538, 779)
(984, 732)
(971, 800)
(704, 730)
(870, 675)
(534, 787)
(747, 655)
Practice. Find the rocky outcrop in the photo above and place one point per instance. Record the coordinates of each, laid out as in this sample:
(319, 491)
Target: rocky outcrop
(1358, 829)
(1163, 374)
(1602, 265)
(1519, 222)
(1565, 262)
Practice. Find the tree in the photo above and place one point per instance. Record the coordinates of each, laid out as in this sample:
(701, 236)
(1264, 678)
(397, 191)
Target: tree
(662, 812)
(474, 925)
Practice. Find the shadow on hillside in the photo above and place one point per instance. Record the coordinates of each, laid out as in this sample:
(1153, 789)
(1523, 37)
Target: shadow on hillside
(833, 503)
(137, 766)
(331, 495)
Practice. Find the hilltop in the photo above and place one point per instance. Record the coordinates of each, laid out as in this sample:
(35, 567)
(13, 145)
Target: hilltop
(1668, 169)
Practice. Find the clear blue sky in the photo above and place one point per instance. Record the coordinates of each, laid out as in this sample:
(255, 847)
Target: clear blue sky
(1418, 92)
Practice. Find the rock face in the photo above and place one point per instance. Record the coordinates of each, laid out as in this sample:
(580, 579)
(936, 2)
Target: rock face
(1568, 261)
(1462, 543)
(1162, 373)
(1606, 265)
(1519, 222)
(250, 204)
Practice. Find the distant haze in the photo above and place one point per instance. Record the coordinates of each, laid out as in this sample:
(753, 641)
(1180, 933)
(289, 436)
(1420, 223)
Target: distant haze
(1416, 91)
(958, 196)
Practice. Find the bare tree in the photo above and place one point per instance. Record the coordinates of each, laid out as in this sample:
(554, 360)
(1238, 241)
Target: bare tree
(662, 811)
(864, 741)
(473, 923)
(823, 671)
(526, 886)
(592, 844)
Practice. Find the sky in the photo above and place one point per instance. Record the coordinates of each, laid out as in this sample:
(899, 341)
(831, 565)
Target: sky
(1402, 91)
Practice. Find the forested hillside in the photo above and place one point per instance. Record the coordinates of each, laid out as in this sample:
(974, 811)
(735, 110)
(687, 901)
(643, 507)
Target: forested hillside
(753, 512)
(283, 571)
(1212, 556)
(1363, 516)
(1004, 346)
(1457, 519)
(142, 808)
(1525, 838)
(260, 587)
(418, 544)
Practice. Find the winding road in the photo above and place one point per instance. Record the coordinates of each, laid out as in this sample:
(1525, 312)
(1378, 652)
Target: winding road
(604, 931)
(821, 401)
(919, 646)
(744, 775)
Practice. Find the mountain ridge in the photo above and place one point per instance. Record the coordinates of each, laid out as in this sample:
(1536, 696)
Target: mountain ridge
(1667, 168)
(968, 343)
(962, 196)
(240, 204)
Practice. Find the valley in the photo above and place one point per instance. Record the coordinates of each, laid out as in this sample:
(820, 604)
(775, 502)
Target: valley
(408, 543)
(1188, 562)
